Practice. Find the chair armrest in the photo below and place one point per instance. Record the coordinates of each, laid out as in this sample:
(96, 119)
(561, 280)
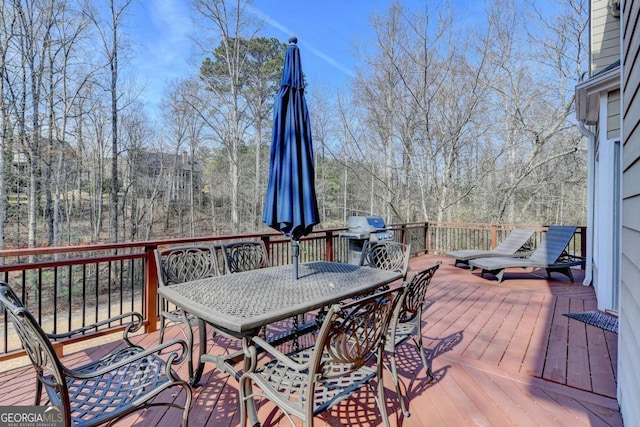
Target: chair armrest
(133, 326)
(280, 356)
(173, 359)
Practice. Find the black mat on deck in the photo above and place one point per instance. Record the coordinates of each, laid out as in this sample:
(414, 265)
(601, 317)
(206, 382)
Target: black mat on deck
(594, 318)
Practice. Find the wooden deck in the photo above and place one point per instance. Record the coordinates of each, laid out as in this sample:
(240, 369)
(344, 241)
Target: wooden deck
(503, 354)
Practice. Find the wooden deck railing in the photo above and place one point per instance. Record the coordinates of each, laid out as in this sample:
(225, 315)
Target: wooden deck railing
(72, 286)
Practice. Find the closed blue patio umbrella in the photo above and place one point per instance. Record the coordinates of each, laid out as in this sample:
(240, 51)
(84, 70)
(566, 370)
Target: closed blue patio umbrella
(290, 204)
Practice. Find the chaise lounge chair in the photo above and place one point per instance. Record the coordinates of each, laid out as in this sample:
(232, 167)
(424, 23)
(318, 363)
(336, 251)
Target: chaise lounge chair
(550, 255)
(508, 247)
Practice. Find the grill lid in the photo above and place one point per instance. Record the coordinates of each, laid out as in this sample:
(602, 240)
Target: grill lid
(365, 224)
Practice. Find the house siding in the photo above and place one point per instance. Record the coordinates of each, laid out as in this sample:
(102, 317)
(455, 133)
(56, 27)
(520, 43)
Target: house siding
(629, 336)
(613, 115)
(605, 36)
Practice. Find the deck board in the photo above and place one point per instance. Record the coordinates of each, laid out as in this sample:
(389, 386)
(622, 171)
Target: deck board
(534, 358)
(555, 366)
(498, 347)
(602, 371)
(485, 323)
(578, 356)
(518, 346)
(502, 353)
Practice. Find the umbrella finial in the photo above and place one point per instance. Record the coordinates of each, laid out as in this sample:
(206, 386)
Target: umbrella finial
(293, 39)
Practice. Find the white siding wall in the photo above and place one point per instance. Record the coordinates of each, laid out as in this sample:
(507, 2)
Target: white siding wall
(605, 36)
(629, 337)
(613, 114)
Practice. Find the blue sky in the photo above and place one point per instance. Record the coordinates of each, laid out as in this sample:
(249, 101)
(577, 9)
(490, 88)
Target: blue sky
(326, 29)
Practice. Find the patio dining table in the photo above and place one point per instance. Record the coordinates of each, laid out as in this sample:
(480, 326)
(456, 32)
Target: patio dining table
(240, 304)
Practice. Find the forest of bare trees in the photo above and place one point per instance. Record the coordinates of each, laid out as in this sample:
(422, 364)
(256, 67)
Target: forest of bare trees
(442, 121)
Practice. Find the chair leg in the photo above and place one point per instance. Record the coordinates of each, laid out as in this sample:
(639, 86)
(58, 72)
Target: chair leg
(396, 383)
(380, 399)
(162, 326)
(38, 392)
(244, 386)
(425, 363)
(187, 404)
(188, 333)
(163, 320)
(190, 351)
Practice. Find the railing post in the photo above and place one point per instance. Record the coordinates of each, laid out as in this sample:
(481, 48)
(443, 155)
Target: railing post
(583, 245)
(403, 233)
(426, 237)
(267, 244)
(494, 236)
(151, 289)
(328, 253)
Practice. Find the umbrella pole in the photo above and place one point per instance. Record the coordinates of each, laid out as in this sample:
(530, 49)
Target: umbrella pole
(295, 250)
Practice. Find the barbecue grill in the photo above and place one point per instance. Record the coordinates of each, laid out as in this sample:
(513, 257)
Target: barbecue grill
(362, 229)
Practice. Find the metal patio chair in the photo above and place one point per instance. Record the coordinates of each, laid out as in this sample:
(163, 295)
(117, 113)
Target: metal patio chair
(179, 265)
(343, 359)
(387, 255)
(407, 324)
(245, 256)
(103, 390)
(252, 255)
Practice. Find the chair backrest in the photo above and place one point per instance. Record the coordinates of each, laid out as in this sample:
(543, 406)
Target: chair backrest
(553, 244)
(49, 369)
(412, 303)
(392, 256)
(351, 335)
(245, 256)
(183, 264)
(514, 241)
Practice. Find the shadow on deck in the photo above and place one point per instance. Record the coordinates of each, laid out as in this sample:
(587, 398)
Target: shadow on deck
(503, 354)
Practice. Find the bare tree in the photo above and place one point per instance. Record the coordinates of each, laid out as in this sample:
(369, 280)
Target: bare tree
(112, 44)
(261, 79)
(67, 77)
(420, 97)
(6, 130)
(33, 25)
(97, 147)
(140, 188)
(228, 23)
(534, 89)
(185, 125)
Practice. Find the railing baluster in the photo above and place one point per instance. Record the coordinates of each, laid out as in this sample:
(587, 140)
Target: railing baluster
(131, 278)
(97, 287)
(55, 299)
(70, 297)
(39, 295)
(5, 329)
(84, 294)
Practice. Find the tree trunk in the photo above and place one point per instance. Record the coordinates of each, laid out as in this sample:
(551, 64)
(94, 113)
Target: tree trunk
(113, 65)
